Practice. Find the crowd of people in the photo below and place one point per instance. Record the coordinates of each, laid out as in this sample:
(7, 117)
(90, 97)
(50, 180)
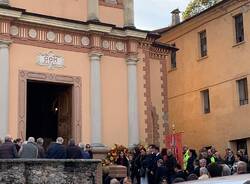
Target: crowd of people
(144, 166)
(32, 149)
(152, 166)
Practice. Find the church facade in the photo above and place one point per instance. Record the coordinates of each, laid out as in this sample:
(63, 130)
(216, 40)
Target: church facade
(81, 69)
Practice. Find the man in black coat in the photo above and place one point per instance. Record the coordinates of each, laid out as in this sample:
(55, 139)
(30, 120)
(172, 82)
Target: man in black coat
(57, 150)
(153, 157)
(170, 164)
(8, 149)
(160, 172)
(73, 151)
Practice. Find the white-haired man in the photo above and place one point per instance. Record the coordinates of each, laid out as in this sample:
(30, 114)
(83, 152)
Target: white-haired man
(57, 150)
(29, 150)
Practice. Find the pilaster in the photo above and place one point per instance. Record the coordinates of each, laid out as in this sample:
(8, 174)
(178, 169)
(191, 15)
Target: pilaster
(93, 10)
(133, 122)
(95, 89)
(4, 87)
(129, 13)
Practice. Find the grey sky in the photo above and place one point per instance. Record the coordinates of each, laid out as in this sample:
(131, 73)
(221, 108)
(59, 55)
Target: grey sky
(154, 14)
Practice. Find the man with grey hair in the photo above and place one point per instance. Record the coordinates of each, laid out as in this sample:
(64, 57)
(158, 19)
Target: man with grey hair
(241, 167)
(59, 140)
(203, 162)
(29, 150)
(203, 173)
(8, 149)
(41, 152)
(57, 150)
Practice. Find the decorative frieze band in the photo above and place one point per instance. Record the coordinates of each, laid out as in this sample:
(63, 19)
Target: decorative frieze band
(39, 34)
(64, 38)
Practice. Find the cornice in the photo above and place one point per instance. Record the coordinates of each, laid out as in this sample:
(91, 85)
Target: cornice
(58, 33)
(21, 15)
(10, 13)
(52, 22)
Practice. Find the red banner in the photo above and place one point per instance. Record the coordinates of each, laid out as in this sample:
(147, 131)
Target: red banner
(174, 142)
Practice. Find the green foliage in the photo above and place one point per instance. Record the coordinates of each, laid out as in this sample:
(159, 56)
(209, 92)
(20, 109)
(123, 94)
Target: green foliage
(197, 6)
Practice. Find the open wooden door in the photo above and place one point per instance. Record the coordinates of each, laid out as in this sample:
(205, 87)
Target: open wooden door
(65, 114)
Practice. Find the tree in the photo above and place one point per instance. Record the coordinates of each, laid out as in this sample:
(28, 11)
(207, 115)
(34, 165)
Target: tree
(197, 6)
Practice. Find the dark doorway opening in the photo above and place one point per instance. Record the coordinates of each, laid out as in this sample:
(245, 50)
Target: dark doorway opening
(242, 145)
(49, 110)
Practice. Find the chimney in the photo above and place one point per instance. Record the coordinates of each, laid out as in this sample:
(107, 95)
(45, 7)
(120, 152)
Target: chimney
(4, 2)
(176, 17)
(129, 13)
(93, 10)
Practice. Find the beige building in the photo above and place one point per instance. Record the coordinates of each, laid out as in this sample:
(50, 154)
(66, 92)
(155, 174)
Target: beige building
(73, 69)
(208, 78)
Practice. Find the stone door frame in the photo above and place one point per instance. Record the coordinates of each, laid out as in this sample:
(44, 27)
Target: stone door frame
(76, 83)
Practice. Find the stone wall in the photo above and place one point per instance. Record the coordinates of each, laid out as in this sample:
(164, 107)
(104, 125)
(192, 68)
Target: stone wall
(41, 171)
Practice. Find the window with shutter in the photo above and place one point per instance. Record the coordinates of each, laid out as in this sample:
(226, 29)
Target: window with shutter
(239, 28)
(206, 101)
(243, 91)
(173, 59)
(203, 43)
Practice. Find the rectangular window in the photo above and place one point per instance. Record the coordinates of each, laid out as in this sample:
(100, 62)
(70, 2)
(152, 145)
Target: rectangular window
(243, 91)
(173, 59)
(203, 43)
(239, 28)
(206, 101)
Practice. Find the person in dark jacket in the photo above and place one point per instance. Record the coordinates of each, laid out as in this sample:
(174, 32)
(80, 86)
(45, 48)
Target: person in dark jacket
(73, 151)
(190, 162)
(170, 164)
(179, 173)
(85, 154)
(151, 158)
(122, 159)
(8, 149)
(29, 150)
(57, 150)
(41, 152)
(161, 172)
(18, 142)
(229, 158)
(134, 169)
(88, 149)
(143, 165)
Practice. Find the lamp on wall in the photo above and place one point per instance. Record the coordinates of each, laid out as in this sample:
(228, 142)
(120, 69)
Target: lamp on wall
(54, 107)
(173, 128)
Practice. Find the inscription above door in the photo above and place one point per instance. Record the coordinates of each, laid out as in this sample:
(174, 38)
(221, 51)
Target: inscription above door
(50, 60)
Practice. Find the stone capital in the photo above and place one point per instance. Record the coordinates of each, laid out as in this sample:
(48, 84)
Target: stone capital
(95, 55)
(4, 43)
(132, 60)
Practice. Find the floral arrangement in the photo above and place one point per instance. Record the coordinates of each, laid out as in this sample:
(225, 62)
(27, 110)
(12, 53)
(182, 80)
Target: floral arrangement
(113, 154)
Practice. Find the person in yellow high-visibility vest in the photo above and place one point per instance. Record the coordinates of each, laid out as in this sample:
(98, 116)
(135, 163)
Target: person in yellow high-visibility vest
(186, 156)
(211, 156)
